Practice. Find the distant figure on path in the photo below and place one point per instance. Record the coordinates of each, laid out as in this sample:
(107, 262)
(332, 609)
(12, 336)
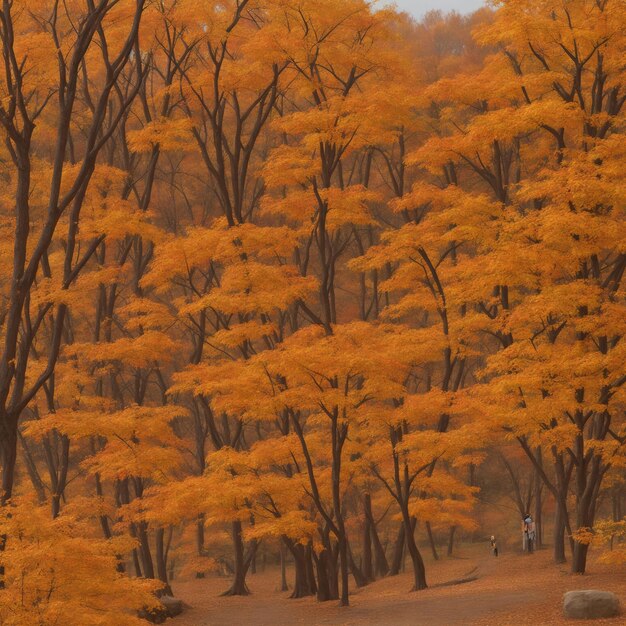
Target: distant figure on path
(494, 545)
(529, 533)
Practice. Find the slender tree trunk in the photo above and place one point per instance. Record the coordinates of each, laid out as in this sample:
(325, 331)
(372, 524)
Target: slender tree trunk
(380, 558)
(419, 570)
(56, 504)
(161, 561)
(368, 570)
(381, 566)
(31, 467)
(431, 541)
(9, 456)
(538, 502)
(104, 520)
(144, 550)
(343, 556)
(357, 572)
(559, 536)
(136, 563)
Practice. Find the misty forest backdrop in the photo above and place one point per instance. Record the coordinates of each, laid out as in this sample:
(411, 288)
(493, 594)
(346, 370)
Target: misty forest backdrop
(304, 281)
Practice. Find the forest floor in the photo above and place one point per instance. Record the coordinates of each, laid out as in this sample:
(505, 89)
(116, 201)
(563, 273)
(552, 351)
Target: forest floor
(512, 589)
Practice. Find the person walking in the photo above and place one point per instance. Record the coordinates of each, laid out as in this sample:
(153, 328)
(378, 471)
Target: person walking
(529, 533)
(494, 545)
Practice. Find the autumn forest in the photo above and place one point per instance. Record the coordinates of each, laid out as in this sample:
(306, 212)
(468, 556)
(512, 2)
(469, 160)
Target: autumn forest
(309, 287)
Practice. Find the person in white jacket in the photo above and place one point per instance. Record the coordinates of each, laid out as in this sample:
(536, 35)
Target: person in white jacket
(529, 531)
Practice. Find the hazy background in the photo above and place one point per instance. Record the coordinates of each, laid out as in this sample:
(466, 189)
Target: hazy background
(419, 7)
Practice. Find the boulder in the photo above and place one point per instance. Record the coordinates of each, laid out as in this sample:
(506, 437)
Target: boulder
(173, 606)
(590, 604)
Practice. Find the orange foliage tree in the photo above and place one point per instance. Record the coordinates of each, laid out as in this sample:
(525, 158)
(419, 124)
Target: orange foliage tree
(273, 272)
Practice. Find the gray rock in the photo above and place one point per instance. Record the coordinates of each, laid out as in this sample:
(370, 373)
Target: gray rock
(590, 604)
(173, 606)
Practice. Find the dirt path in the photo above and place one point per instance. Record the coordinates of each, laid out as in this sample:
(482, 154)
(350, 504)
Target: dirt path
(512, 589)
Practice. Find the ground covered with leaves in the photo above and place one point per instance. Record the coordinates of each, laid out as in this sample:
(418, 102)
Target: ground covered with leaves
(512, 589)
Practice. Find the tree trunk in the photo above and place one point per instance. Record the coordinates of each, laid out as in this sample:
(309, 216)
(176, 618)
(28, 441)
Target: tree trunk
(9, 455)
(323, 584)
(31, 468)
(381, 566)
(310, 570)
(144, 550)
(431, 540)
(559, 536)
(136, 563)
(343, 556)
(161, 560)
(398, 551)
(357, 572)
(238, 587)
(302, 586)
(538, 503)
(419, 570)
(368, 570)
(579, 558)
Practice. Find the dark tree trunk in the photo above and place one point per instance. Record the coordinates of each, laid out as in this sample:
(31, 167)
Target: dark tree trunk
(238, 586)
(559, 536)
(344, 567)
(380, 558)
(419, 570)
(161, 560)
(538, 503)
(323, 584)
(368, 569)
(579, 558)
(302, 586)
(31, 468)
(310, 568)
(56, 505)
(144, 550)
(332, 572)
(431, 540)
(589, 476)
(136, 563)
(357, 572)
(9, 456)
(398, 551)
